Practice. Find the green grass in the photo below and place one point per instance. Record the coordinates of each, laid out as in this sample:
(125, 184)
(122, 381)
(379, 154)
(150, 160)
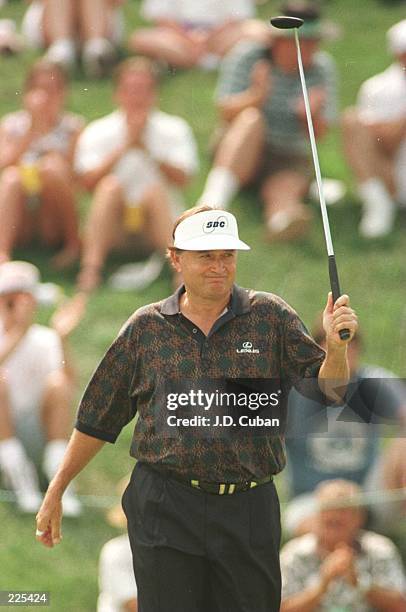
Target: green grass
(373, 274)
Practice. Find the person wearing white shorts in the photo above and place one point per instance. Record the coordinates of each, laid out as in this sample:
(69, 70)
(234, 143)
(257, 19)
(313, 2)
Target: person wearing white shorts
(36, 387)
(375, 140)
(136, 161)
(96, 27)
(189, 33)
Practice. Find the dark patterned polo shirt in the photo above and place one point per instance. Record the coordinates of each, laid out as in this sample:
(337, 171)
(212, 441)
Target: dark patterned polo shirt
(258, 337)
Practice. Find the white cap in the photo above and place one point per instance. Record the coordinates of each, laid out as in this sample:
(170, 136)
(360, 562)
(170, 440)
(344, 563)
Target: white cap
(208, 231)
(18, 276)
(397, 38)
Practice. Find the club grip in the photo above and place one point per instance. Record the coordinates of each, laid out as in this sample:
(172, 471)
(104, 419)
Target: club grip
(335, 289)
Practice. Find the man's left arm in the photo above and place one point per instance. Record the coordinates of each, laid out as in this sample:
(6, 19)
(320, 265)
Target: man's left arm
(334, 371)
(177, 153)
(387, 600)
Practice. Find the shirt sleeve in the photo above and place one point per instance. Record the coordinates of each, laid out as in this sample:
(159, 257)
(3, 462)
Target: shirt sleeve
(106, 406)
(386, 566)
(52, 354)
(92, 148)
(177, 146)
(301, 356)
(295, 570)
(330, 80)
(235, 70)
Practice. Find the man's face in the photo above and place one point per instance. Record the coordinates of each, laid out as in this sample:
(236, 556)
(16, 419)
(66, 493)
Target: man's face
(135, 91)
(207, 274)
(337, 526)
(285, 55)
(46, 93)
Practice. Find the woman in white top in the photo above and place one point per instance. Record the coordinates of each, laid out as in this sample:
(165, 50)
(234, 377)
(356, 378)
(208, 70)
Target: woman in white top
(188, 33)
(36, 153)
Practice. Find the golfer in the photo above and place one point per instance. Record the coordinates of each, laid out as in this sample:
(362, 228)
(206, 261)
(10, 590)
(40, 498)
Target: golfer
(202, 510)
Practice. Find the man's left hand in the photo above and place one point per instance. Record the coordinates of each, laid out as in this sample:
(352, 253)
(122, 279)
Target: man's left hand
(336, 317)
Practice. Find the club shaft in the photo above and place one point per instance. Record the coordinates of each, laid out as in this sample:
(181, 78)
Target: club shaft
(324, 214)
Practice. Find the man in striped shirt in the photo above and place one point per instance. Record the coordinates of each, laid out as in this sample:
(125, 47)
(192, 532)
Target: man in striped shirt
(265, 140)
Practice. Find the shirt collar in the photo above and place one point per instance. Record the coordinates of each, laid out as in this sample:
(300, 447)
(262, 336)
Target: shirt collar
(239, 302)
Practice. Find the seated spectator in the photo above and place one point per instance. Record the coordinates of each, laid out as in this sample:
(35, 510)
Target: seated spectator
(36, 153)
(36, 386)
(374, 135)
(118, 590)
(339, 566)
(135, 161)
(343, 441)
(190, 33)
(94, 26)
(266, 137)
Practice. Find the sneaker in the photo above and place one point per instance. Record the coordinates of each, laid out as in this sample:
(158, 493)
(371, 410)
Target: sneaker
(333, 190)
(24, 483)
(139, 275)
(98, 57)
(28, 501)
(63, 53)
(289, 224)
(377, 220)
(72, 507)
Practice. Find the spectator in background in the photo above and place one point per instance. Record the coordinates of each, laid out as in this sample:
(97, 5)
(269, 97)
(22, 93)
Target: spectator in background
(95, 27)
(36, 154)
(189, 33)
(36, 385)
(344, 441)
(260, 100)
(339, 566)
(135, 161)
(374, 135)
(118, 589)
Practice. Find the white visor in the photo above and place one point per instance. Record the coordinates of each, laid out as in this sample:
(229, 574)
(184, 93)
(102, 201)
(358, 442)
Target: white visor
(208, 231)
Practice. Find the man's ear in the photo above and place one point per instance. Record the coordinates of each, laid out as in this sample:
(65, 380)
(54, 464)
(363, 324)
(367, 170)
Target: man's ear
(173, 255)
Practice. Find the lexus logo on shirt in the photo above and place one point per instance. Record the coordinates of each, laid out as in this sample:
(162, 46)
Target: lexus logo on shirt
(247, 347)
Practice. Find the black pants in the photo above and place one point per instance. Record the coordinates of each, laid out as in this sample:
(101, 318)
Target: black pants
(198, 552)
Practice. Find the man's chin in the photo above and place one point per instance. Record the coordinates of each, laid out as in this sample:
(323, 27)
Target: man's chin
(218, 287)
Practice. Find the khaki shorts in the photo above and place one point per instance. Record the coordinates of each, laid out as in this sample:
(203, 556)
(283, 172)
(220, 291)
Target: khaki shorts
(274, 161)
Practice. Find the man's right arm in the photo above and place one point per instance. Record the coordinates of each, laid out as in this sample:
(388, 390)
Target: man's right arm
(90, 178)
(81, 449)
(243, 82)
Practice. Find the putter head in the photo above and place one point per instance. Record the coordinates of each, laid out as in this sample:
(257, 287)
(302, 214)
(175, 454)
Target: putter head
(286, 23)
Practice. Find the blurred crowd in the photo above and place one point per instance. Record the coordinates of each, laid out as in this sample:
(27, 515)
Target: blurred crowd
(135, 164)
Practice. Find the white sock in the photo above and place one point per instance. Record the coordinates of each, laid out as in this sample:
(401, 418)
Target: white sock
(220, 188)
(375, 195)
(53, 454)
(62, 51)
(18, 469)
(378, 211)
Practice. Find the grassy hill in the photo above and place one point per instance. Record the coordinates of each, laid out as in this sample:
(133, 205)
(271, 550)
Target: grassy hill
(373, 274)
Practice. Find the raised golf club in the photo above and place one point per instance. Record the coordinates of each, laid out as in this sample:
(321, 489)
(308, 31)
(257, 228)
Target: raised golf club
(289, 23)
